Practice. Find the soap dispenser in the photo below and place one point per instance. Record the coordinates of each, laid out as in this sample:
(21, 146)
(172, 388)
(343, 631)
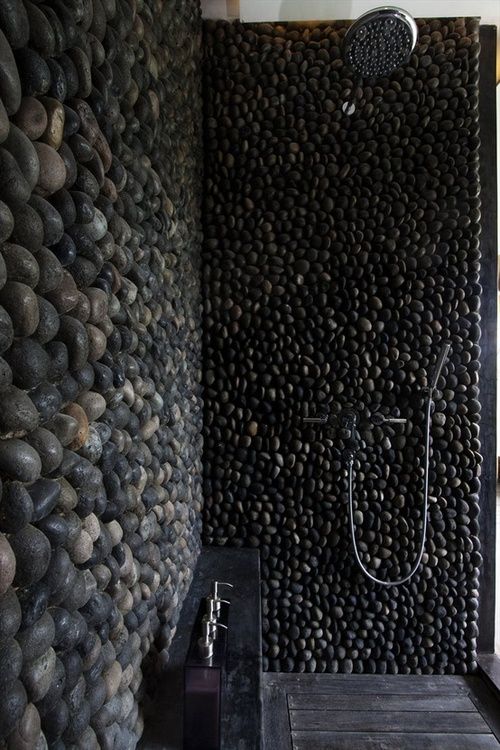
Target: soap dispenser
(203, 687)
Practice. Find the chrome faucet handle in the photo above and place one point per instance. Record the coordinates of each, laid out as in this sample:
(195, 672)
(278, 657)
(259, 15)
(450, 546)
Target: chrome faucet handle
(378, 419)
(321, 419)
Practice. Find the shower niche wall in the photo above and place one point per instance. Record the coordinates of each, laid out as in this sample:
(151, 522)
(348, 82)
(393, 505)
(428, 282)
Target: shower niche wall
(340, 252)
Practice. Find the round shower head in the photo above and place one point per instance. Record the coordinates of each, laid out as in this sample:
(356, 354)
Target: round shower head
(380, 41)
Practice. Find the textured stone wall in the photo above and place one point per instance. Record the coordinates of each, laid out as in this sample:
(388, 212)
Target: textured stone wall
(339, 253)
(100, 368)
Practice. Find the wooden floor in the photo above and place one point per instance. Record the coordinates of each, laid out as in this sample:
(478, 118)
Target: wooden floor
(379, 712)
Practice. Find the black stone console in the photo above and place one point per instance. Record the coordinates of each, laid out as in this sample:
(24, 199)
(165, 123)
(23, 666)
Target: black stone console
(241, 710)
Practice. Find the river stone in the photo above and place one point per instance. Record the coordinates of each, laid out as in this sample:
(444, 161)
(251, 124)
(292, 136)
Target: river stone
(82, 548)
(29, 361)
(34, 72)
(51, 272)
(10, 84)
(55, 528)
(45, 495)
(70, 165)
(21, 265)
(53, 133)
(74, 335)
(97, 342)
(112, 678)
(35, 640)
(81, 590)
(4, 123)
(11, 661)
(71, 122)
(14, 23)
(65, 428)
(55, 722)
(48, 325)
(6, 222)
(48, 448)
(10, 614)
(92, 448)
(65, 296)
(31, 117)
(84, 206)
(5, 374)
(84, 72)
(37, 675)
(41, 33)
(77, 413)
(19, 461)
(25, 154)
(65, 204)
(82, 309)
(34, 601)
(60, 576)
(47, 400)
(27, 732)
(98, 304)
(8, 564)
(3, 273)
(28, 228)
(52, 170)
(21, 304)
(65, 250)
(14, 188)
(53, 695)
(53, 227)
(32, 551)
(81, 148)
(18, 415)
(16, 507)
(12, 707)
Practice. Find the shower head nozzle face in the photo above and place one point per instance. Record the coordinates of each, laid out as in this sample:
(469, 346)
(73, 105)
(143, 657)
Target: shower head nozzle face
(380, 41)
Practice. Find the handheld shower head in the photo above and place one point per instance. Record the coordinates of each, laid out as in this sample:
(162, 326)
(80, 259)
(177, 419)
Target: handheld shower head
(380, 41)
(442, 357)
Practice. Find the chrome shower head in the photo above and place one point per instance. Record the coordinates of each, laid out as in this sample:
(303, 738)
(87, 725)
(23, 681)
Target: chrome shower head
(380, 41)
(442, 357)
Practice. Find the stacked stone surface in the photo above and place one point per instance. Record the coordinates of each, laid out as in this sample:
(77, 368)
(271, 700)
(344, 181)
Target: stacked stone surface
(339, 252)
(100, 358)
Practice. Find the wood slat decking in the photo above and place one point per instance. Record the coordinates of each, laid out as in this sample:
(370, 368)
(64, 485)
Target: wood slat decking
(392, 741)
(378, 712)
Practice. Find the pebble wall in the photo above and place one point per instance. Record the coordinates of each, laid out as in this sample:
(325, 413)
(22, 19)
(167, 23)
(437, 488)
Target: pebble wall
(340, 251)
(100, 367)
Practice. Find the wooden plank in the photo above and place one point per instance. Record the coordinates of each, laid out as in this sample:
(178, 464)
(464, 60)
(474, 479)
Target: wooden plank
(376, 702)
(353, 684)
(395, 721)
(390, 741)
(277, 731)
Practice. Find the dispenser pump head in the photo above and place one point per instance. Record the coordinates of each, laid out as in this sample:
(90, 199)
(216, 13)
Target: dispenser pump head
(215, 594)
